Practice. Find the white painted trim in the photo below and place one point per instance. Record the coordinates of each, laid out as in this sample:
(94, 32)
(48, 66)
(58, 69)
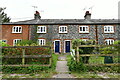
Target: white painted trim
(110, 27)
(86, 31)
(64, 29)
(14, 41)
(59, 45)
(42, 31)
(65, 45)
(15, 29)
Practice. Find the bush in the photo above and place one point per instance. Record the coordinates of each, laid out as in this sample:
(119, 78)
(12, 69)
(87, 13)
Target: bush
(54, 61)
(77, 67)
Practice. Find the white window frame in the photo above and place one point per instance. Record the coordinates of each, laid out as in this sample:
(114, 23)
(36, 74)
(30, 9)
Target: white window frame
(62, 29)
(15, 41)
(41, 42)
(5, 41)
(85, 40)
(108, 29)
(43, 29)
(109, 41)
(17, 29)
(85, 29)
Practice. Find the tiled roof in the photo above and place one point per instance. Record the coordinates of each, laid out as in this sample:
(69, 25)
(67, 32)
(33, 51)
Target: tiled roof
(66, 21)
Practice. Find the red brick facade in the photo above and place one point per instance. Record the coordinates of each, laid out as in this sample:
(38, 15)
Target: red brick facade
(9, 36)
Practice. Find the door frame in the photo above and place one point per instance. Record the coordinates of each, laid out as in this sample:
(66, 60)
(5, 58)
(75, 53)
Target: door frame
(59, 45)
(65, 45)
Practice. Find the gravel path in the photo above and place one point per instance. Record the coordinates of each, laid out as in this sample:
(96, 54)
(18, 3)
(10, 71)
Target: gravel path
(62, 68)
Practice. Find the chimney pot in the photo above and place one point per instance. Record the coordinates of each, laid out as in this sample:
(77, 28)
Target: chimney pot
(87, 15)
(37, 15)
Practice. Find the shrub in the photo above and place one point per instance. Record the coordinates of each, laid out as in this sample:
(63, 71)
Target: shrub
(77, 67)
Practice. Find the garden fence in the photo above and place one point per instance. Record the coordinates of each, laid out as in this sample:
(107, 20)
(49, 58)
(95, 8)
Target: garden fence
(26, 56)
(116, 56)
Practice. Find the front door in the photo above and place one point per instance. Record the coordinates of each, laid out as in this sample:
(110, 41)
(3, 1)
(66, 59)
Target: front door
(57, 46)
(67, 46)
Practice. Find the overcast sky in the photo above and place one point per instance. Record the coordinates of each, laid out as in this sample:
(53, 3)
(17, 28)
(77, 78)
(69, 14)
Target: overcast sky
(19, 10)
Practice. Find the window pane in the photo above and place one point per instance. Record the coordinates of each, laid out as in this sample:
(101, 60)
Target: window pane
(41, 29)
(62, 29)
(86, 28)
(108, 28)
(19, 29)
(65, 28)
(16, 29)
(80, 28)
(105, 28)
(44, 29)
(83, 28)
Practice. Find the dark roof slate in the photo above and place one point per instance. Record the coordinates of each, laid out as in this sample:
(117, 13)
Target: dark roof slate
(66, 21)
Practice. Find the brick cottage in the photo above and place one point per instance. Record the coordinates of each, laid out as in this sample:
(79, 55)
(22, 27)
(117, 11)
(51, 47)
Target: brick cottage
(60, 32)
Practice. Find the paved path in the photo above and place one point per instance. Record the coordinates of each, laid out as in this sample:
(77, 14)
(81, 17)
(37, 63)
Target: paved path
(62, 68)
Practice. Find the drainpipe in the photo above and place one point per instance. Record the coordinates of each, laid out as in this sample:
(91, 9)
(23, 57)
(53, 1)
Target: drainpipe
(96, 32)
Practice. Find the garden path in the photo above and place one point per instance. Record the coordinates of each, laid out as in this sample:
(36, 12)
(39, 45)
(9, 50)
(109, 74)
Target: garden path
(62, 68)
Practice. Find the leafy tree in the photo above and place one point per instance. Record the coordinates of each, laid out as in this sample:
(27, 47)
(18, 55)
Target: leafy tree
(3, 16)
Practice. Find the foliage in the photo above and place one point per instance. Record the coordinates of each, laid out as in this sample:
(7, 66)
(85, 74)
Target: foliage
(37, 51)
(25, 43)
(54, 61)
(3, 16)
(77, 42)
(117, 45)
(76, 67)
(106, 50)
(84, 50)
(31, 69)
(12, 51)
(3, 44)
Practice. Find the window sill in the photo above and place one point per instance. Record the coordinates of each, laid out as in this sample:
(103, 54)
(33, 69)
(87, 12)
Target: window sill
(17, 32)
(108, 32)
(84, 32)
(62, 33)
(41, 32)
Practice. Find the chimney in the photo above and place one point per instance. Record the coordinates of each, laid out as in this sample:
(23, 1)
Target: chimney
(37, 15)
(87, 15)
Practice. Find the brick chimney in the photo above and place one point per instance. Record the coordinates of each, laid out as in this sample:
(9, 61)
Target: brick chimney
(37, 15)
(87, 15)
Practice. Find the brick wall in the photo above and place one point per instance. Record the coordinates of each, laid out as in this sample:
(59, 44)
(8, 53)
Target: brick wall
(9, 36)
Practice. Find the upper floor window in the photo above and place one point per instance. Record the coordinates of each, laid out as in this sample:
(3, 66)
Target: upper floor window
(17, 29)
(108, 29)
(109, 41)
(83, 29)
(41, 29)
(62, 29)
(15, 41)
(41, 41)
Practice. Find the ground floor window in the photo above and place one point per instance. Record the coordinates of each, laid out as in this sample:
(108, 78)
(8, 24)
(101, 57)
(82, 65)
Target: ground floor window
(5, 41)
(109, 41)
(15, 41)
(41, 41)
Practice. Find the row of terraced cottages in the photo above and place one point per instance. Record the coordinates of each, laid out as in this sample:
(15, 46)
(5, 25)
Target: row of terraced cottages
(60, 32)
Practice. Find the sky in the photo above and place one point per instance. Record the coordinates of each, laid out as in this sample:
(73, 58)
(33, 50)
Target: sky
(19, 10)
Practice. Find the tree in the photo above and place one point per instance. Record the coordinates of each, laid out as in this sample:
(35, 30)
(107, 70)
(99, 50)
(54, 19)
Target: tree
(3, 16)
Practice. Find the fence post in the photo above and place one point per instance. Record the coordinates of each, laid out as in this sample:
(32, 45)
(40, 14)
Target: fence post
(78, 54)
(23, 56)
(50, 61)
